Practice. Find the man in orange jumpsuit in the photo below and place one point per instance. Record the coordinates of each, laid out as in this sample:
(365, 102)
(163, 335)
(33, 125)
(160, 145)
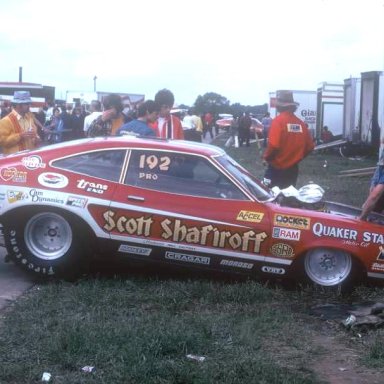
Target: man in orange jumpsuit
(289, 141)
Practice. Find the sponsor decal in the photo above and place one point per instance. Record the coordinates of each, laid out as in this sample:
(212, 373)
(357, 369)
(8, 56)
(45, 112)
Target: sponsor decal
(44, 197)
(78, 202)
(53, 180)
(92, 187)
(176, 231)
(14, 196)
(371, 237)
(236, 264)
(320, 229)
(275, 270)
(378, 267)
(12, 174)
(282, 250)
(254, 217)
(2, 196)
(294, 128)
(33, 162)
(188, 258)
(380, 256)
(286, 233)
(289, 221)
(135, 250)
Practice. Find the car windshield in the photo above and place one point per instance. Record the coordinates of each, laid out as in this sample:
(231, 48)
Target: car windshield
(248, 181)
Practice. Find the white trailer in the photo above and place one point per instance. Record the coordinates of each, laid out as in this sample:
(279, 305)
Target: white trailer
(330, 103)
(351, 116)
(371, 126)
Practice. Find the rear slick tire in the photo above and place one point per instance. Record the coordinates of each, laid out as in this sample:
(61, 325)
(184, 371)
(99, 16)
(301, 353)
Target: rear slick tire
(47, 243)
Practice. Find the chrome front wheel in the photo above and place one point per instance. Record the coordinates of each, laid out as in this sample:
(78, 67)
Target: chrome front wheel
(328, 267)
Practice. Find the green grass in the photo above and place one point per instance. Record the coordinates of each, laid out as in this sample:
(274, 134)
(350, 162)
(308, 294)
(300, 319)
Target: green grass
(139, 328)
(140, 331)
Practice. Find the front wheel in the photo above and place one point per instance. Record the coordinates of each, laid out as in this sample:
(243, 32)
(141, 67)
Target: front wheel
(46, 243)
(328, 267)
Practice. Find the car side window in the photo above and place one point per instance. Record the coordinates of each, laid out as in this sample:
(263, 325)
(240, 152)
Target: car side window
(179, 173)
(102, 164)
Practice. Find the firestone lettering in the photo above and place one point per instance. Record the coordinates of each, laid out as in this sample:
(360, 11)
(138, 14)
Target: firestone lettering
(339, 233)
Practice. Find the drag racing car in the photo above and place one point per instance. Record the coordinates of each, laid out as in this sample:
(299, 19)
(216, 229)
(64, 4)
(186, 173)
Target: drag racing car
(174, 202)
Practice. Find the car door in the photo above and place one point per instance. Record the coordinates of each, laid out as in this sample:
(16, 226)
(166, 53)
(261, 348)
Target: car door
(182, 208)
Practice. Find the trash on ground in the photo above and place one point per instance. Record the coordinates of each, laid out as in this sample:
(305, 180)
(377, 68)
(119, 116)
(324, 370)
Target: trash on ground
(87, 368)
(46, 377)
(196, 358)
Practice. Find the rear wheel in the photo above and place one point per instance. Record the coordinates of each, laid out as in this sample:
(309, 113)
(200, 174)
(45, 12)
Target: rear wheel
(328, 267)
(46, 243)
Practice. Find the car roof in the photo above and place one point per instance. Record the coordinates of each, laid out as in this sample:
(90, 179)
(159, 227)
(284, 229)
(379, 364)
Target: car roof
(109, 142)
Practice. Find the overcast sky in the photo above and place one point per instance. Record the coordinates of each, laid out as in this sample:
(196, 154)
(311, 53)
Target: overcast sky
(240, 49)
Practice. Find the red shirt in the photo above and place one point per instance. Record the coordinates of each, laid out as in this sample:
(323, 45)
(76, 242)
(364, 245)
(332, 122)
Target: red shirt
(175, 130)
(289, 141)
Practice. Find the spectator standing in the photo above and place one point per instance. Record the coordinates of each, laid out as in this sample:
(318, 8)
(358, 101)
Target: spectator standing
(54, 130)
(77, 123)
(95, 109)
(208, 124)
(245, 123)
(289, 142)
(147, 114)
(66, 131)
(167, 126)
(199, 126)
(189, 124)
(18, 130)
(113, 112)
(266, 123)
(110, 120)
(375, 199)
(6, 108)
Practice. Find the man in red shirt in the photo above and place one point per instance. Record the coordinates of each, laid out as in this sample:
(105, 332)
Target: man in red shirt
(167, 126)
(289, 141)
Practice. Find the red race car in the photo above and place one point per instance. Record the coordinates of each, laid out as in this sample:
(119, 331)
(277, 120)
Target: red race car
(173, 202)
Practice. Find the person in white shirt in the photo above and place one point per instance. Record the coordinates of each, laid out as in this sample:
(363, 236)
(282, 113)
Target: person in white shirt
(95, 108)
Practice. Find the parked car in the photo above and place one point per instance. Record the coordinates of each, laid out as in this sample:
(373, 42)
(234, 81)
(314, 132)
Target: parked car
(173, 202)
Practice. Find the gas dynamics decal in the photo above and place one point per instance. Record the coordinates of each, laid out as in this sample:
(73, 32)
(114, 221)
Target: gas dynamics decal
(176, 231)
